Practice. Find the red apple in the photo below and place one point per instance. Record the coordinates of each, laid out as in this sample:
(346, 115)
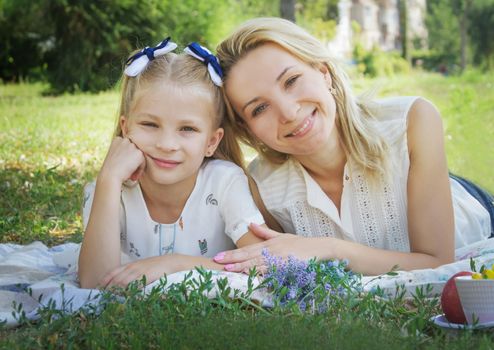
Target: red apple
(450, 301)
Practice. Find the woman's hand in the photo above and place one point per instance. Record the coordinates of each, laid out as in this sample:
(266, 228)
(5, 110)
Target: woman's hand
(277, 244)
(123, 161)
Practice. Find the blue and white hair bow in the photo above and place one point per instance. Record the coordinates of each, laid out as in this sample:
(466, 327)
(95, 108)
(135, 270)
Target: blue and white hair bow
(138, 62)
(204, 55)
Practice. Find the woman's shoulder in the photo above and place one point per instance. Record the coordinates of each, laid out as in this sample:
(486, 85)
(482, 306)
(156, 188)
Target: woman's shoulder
(394, 108)
(275, 180)
(261, 169)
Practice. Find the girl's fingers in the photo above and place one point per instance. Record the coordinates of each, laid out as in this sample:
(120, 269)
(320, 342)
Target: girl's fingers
(107, 279)
(138, 173)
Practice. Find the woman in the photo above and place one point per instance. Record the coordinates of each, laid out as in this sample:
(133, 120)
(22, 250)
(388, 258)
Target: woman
(353, 179)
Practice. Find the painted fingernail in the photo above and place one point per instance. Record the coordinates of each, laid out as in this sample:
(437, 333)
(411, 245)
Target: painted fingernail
(229, 267)
(219, 256)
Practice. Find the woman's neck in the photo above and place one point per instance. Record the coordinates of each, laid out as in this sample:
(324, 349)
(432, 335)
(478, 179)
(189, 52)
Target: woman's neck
(328, 161)
(165, 203)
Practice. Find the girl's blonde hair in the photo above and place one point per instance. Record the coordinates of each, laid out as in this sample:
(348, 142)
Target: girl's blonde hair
(361, 141)
(186, 72)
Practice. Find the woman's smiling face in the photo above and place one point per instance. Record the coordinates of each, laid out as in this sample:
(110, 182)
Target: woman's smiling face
(284, 101)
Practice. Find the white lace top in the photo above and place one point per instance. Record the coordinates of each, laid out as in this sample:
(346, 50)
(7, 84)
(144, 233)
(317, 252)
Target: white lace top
(375, 218)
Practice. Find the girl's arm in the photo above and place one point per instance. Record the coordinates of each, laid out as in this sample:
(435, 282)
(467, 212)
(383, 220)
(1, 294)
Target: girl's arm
(430, 215)
(100, 250)
(155, 267)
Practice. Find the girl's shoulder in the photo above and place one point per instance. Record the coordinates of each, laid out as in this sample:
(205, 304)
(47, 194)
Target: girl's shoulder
(220, 167)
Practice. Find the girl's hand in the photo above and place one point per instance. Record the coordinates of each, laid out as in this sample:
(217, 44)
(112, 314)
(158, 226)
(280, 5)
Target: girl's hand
(153, 268)
(277, 244)
(123, 161)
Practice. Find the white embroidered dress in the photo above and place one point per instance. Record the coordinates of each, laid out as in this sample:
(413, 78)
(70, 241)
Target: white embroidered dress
(216, 214)
(373, 218)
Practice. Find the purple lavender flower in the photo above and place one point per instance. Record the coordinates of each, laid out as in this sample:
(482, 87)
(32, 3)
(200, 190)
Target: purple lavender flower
(307, 283)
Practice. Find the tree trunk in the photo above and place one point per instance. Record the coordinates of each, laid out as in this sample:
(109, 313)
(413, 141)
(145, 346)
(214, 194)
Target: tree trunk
(404, 30)
(287, 9)
(463, 19)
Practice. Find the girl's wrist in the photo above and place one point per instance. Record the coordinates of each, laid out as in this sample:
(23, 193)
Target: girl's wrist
(109, 179)
(108, 183)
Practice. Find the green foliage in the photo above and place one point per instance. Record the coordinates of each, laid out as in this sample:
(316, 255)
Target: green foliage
(92, 39)
(319, 17)
(444, 26)
(80, 45)
(24, 39)
(376, 63)
(482, 33)
(444, 35)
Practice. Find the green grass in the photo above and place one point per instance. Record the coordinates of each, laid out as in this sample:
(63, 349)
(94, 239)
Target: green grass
(51, 146)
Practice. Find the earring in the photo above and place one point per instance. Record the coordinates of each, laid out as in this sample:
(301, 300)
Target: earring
(332, 90)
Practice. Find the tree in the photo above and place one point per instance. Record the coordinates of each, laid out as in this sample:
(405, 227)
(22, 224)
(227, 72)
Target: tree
(24, 38)
(287, 9)
(460, 9)
(481, 32)
(319, 17)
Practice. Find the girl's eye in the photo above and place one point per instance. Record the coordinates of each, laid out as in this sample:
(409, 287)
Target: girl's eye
(150, 124)
(290, 81)
(188, 129)
(258, 110)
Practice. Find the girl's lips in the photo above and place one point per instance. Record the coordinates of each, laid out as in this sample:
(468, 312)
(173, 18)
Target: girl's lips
(304, 127)
(165, 163)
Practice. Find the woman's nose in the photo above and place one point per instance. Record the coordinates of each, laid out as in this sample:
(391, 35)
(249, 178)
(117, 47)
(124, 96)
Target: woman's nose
(288, 111)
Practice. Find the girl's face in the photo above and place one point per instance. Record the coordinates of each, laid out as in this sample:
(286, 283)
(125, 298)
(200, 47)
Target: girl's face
(175, 129)
(284, 102)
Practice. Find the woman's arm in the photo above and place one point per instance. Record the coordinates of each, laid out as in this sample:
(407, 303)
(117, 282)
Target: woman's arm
(430, 215)
(100, 250)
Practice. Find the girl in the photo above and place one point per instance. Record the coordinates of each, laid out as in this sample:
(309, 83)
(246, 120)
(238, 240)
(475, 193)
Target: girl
(184, 204)
(356, 180)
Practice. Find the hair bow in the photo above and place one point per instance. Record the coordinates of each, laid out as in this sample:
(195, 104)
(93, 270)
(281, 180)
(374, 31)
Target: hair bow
(204, 55)
(138, 62)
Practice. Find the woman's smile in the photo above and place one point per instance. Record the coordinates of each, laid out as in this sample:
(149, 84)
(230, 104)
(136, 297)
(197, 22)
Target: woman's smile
(304, 127)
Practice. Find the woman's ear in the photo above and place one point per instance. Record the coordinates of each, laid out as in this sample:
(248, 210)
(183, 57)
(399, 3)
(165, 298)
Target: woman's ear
(214, 141)
(123, 125)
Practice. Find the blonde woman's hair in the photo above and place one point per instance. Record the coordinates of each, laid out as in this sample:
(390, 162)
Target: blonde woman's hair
(361, 141)
(185, 72)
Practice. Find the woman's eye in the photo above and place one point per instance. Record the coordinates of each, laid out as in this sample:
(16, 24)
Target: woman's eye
(258, 110)
(290, 81)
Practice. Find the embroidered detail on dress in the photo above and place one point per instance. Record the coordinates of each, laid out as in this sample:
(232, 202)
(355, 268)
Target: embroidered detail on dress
(203, 246)
(134, 250)
(310, 221)
(211, 200)
(395, 236)
(370, 234)
(86, 198)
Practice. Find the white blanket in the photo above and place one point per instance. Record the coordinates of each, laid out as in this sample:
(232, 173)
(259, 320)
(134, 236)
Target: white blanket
(35, 275)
